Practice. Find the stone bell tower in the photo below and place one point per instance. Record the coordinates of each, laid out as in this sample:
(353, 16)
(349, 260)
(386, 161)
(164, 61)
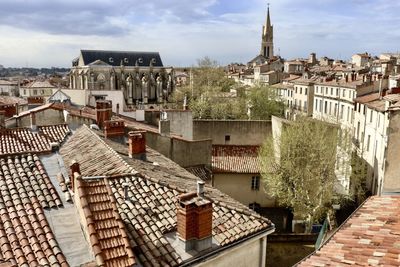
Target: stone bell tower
(267, 38)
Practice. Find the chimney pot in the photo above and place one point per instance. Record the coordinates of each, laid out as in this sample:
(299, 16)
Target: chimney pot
(200, 188)
(74, 168)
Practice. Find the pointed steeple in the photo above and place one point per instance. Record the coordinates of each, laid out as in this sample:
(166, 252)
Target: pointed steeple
(268, 23)
(267, 41)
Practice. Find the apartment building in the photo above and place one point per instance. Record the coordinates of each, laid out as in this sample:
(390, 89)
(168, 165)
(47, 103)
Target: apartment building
(372, 120)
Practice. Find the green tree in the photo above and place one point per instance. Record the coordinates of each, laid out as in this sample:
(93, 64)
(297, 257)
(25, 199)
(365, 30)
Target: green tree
(265, 102)
(209, 96)
(299, 167)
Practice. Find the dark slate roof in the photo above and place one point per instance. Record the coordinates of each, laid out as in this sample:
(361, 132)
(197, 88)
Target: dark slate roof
(128, 57)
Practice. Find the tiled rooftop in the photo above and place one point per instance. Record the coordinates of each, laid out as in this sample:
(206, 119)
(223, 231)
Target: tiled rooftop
(235, 159)
(150, 212)
(26, 238)
(106, 229)
(23, 140)
(370, 237)
(7, 100)
(94, 157)
(201, 172)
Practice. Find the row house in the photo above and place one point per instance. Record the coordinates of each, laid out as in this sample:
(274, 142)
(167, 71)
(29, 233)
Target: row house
(303, 94)
(372, 121)
(334, 99)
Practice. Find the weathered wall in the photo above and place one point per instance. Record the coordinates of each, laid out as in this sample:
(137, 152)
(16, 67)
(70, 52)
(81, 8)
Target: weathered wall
(181, 121)
(185, 153)
(391, 182)
(238, 186)
(240, 132)
(50, 117)
(78, 96)
(247, 254)
(116, 97)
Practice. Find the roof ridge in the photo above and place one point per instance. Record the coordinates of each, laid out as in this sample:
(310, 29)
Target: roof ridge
(130, 168)
(120, 224)
(89, 220)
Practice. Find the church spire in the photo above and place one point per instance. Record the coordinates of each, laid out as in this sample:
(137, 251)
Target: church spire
(268, 24)
(267, 41)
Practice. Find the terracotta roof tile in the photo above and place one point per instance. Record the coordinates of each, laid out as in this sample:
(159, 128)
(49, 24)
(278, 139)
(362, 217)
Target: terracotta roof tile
(24, 140)
(26, 238)
(236, 159)
(150, 212)
(104, 222)
(201, 172)
(102, 160)
(369, 237)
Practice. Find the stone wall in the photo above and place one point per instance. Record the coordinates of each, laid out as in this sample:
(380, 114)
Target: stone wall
(181, 121)
(245, 254)
(232, 132)
(185, 153)
(391, 182)
(49, 117)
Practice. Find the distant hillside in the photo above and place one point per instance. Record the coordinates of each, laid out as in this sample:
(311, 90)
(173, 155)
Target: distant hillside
(29, 72)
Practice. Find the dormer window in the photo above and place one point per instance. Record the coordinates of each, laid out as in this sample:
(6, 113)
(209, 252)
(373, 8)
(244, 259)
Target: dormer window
(126, 60)
(153, 60)
(111, 60)
(140, 60)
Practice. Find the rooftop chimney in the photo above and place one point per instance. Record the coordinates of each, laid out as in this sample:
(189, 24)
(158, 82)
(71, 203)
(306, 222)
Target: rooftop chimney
(103, 112)
(74, 168)
(194, 220)
(33, 121)
(114, 128)
(137, 144)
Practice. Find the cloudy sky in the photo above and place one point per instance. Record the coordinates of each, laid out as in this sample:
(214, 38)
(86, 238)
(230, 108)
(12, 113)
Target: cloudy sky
(44, 33)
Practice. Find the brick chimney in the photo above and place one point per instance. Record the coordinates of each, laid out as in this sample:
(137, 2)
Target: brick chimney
(74, 168)
(33, 121)
(114, 128)
(194, 220)
(137, 144)
(103, 112)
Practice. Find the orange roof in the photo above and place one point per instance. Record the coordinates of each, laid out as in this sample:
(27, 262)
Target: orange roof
(26, 237)
(23, 140)
(235, 159)
(106, 229)
(371, 236)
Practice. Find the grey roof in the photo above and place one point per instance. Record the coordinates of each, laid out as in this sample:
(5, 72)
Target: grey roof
(129, 58)
(59, 96)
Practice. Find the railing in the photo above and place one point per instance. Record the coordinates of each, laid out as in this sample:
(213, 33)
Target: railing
(321, 235)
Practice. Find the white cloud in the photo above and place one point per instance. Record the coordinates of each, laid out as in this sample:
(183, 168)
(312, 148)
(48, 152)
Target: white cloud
(50, 33)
